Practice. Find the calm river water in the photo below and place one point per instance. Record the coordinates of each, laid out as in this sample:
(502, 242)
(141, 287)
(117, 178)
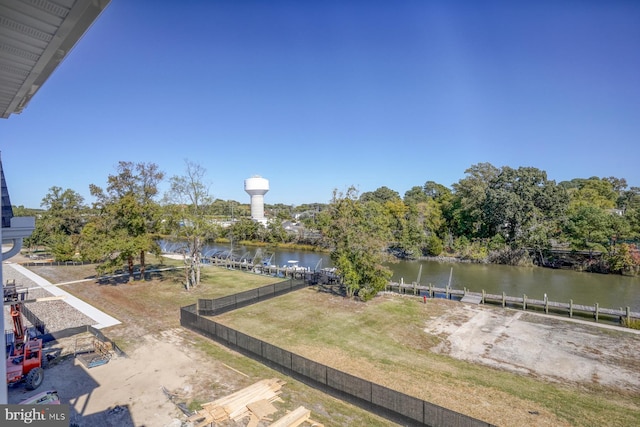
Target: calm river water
(608, 290)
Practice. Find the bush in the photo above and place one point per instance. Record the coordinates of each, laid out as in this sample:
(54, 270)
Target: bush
(474, 251)
(433, 246)
(510, 256)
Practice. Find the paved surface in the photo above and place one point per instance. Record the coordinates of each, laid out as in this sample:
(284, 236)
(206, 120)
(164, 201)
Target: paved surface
(554, 348)
(101, 319)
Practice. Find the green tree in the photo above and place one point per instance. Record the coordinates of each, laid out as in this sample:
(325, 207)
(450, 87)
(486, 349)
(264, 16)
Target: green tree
(189, 198)
(59, 226)
(621, 260)
(128, 215)
(587, 228)
(381, 195)
(245, 229)
(468, 204)
(630, 199)
(403, 242)
(594, 192)
(358, 236)
(437, 192)
(522, 204)
(433, 245)
(415, 195)
(632, 216)
(276, 233)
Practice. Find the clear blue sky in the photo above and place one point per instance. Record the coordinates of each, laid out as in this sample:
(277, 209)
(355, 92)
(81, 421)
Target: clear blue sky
(321, 95)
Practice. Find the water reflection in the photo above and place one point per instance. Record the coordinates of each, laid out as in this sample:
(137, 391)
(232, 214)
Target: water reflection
(611, 291)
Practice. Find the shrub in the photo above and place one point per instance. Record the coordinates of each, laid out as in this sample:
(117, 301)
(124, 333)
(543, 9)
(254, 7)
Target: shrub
(433, 246)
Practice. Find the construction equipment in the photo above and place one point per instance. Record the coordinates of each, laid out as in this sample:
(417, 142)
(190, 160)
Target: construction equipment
(92, 352)
(24, 355)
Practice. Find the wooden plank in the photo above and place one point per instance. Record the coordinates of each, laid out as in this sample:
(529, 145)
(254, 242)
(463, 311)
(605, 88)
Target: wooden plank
(253, 421)
(262, 408)
(293, 418)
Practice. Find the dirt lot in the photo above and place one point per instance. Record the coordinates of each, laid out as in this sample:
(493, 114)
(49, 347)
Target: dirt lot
(127, 391)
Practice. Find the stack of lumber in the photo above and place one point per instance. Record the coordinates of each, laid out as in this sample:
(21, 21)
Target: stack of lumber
(254, 400)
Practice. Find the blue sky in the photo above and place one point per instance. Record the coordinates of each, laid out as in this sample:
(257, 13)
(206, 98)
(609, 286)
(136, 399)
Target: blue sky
(322, 95)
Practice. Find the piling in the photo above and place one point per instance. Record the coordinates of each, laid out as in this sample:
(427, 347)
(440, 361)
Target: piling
(524, 301)
(570, 308)
(546, 304)
(597, 308)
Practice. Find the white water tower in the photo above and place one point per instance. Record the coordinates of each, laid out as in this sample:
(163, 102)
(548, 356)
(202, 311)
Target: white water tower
(257, 187)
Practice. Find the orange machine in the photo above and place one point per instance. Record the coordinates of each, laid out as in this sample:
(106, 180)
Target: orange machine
(24, 358)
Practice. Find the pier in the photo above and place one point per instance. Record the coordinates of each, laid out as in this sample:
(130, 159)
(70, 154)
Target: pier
(523, 302)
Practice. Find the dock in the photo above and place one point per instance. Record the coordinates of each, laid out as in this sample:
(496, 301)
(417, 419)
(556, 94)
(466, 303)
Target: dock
(522, 302)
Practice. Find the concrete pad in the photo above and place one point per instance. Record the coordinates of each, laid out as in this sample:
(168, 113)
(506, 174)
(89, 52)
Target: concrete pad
(102, 319)
(555, 348)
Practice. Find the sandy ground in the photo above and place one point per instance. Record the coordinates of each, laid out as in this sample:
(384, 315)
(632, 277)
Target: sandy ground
(127, 391)
(552, 348)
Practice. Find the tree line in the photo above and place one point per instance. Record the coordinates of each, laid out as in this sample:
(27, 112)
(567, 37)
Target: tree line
(493, 214)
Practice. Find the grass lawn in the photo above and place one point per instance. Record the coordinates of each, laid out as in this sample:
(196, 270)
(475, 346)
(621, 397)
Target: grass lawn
(383, 341)
(157, 301)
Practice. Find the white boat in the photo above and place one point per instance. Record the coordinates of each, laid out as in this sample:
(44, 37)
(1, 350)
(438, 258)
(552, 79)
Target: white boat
(292, 264)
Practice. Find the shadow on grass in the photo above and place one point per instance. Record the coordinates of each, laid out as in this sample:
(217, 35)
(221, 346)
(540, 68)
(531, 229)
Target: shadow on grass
(332, 289)
(152, 273)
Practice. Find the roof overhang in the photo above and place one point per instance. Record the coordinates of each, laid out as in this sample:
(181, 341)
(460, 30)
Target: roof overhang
(35, 36)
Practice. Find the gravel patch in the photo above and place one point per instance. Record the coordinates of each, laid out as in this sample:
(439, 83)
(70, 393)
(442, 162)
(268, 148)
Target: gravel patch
(56, 315)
